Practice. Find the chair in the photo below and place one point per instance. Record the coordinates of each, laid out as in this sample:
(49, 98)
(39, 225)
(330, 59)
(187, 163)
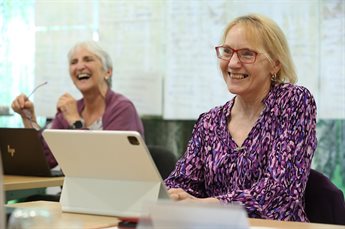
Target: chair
(164, 159)
(324, 202)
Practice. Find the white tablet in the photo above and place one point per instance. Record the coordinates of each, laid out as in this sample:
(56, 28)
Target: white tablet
(106, 172)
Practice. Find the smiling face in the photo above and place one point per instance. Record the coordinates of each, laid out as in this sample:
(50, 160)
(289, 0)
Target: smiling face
(87, 71)
(254, 79)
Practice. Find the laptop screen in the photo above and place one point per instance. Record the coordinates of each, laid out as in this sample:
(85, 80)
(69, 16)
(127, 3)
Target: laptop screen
(22, 152)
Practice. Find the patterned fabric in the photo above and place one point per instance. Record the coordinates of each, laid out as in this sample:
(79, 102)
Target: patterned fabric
(269, 172)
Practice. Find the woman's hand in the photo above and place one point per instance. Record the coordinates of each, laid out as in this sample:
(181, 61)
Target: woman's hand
(179, 194)
(67, 104)
(20, 103)
(25, 108)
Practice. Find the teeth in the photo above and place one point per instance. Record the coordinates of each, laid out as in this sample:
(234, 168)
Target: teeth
(83, 76)
(238, 76)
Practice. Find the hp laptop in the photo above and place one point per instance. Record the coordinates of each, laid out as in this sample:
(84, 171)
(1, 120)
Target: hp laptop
(22, 153)
(106, 172)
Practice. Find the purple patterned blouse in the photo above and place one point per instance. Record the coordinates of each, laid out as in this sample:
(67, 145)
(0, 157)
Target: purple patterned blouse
(269, 172)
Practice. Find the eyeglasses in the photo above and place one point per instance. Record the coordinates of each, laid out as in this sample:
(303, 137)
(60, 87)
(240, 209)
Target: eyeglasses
(27, 113)
(246, 56)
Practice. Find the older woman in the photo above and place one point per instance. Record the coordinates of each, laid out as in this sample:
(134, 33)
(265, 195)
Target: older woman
(257, 148)
(100, 108)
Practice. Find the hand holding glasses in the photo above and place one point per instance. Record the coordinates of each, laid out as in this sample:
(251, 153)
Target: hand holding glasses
(27, 112)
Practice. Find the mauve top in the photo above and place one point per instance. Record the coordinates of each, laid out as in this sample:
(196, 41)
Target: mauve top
(269, 172)
(119, 114)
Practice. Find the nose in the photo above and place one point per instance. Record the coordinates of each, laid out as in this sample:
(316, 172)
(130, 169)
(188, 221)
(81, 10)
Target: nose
(234, 61)
(77, 67)
(80, 65)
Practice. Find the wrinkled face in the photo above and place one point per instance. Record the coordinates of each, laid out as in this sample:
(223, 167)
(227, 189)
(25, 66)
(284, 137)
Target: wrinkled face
(86, 70)
(245, 79)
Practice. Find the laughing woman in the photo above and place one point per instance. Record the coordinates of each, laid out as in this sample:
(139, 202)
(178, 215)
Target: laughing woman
(257, 148)
(100, 108)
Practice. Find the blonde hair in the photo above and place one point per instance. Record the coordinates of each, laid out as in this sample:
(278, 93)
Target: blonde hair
(263, 31)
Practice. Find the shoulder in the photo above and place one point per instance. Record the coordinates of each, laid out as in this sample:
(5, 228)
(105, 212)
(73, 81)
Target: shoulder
(291, 94)
(120, 113)
(287, 89)
(290, 102)
(115, 99)
(291, 90)
(215, 115)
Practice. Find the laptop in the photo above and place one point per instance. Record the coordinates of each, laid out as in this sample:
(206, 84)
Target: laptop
(22, 153)
(106, 172)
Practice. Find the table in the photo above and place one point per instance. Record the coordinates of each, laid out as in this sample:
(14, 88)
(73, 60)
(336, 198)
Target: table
(54, 208)
(261, 224)
(17, 187)
(26, 182)
(94, 221)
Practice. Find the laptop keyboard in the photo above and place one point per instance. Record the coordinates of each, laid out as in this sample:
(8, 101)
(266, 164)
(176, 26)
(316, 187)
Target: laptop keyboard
(57, 173)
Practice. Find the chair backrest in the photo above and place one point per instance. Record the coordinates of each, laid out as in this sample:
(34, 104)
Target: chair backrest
(164, 159)
(324, 202)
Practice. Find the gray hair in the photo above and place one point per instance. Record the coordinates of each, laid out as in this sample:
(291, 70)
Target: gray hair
(94, 47)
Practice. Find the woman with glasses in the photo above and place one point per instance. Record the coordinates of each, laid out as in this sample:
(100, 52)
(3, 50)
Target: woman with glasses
(257, 148)
(100, 108)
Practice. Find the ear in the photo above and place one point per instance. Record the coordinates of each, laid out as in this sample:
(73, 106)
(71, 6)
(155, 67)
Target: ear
(276, 67)
(108, 74)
